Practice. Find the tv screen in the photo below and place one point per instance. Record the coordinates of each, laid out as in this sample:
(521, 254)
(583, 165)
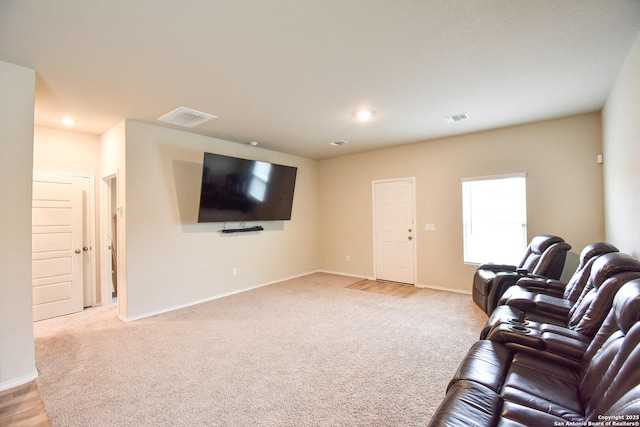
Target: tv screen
(235, 189)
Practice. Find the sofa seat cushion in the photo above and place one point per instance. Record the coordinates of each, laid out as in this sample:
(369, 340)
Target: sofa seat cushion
(520, 397)
(522, 378)
(468, 403)
(517, 415)
(543, 385)
(537, 366)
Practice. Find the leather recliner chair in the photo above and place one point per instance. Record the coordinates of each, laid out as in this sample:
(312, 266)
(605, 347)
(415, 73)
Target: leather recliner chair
(565, 336)
(550, 265)
(530, 291)
(496, 385)
(534, 261)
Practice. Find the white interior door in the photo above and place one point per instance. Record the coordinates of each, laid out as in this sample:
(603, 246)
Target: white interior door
(57, 250)
(394, 230)
(88, 224)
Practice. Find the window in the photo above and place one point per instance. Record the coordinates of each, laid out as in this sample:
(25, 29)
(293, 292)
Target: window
(259, 180)
(494, 212)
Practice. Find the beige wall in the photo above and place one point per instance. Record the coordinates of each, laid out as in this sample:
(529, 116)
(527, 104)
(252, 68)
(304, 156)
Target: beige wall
(66, 151)
(564, 193)
(172, 260)
(621, 124)
(17, 356)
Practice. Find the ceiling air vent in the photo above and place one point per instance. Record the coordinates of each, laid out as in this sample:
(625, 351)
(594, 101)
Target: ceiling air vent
(186, 117)
(456, 118)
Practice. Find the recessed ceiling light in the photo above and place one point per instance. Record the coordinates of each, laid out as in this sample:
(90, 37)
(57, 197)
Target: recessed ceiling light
(68, 121)
(253, 143)
(338, 143)
(364, 115)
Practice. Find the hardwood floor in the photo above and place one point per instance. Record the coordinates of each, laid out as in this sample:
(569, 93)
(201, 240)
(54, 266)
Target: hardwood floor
(385, 288)
(21, 406)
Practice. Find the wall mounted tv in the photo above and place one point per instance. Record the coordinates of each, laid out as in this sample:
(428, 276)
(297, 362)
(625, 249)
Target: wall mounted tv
(235, 189)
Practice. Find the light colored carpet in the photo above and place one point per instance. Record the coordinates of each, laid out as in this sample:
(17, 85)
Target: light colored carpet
(303, 352)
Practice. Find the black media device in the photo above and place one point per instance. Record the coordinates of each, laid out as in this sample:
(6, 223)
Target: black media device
(235, 189)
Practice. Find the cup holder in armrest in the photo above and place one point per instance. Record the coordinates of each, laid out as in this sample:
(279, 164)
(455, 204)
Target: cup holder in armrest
(516, 321)
(516, 335)
(519, 328)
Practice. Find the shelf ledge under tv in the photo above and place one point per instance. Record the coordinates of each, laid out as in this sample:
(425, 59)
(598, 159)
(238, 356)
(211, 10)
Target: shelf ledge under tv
(242, 230)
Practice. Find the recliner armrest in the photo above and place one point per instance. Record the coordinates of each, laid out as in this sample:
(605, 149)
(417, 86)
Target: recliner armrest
(569, 347)
(533, 282)
(556, 285)
(546, 328)
(486, 362)
(536, 276)
(497, 268)
(555, 306)
(552, 287)
(552, 342)
(522, 300)
(543, 285)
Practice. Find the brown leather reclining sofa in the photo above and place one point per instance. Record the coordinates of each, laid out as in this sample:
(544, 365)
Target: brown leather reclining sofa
(539, 373)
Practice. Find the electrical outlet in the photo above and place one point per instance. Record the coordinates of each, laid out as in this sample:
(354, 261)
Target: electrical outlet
(348, 258)
(234, 271)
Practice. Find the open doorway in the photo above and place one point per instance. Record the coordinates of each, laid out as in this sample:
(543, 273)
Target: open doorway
(109, 220)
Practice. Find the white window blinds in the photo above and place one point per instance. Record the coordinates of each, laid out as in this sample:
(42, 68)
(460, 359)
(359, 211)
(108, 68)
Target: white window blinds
(494, 211)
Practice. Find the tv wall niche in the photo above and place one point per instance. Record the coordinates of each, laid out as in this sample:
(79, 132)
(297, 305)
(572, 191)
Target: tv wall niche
(235, 189)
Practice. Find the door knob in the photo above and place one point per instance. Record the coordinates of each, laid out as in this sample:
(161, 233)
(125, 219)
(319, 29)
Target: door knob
(410, 237)
(84, 248)
(78, 251)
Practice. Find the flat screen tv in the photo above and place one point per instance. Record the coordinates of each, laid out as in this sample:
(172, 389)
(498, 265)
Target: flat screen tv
(235, 189)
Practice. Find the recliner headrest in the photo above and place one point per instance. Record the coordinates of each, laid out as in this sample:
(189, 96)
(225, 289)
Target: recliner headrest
(595, 249)
(608, 265)
(540, 243)
(626, 305)
(551, 262)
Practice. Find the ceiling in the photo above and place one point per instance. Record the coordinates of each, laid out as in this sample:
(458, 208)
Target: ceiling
(291, 74)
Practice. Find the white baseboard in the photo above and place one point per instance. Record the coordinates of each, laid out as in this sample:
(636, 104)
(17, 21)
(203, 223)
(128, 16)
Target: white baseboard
(6, 385)
(189, 304)
(439, 288)
(345, 274)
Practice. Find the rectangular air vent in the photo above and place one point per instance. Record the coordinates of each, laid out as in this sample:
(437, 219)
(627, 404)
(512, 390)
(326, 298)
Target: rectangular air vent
(456, 118)
(186, 117)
